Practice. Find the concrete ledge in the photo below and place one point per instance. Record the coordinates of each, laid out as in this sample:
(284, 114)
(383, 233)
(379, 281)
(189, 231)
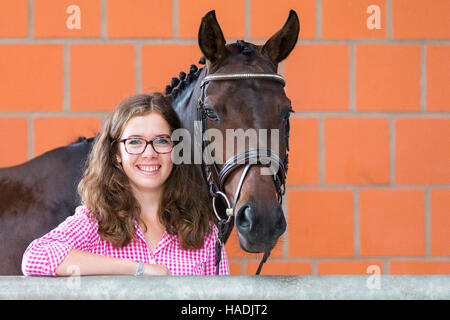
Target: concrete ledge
(227, 287)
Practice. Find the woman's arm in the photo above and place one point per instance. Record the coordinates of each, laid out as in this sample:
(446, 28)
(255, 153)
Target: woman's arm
(65, 251)
(44, 254)
(78, 262)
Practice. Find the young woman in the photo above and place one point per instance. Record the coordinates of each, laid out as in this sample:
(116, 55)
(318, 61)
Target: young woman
(140, 213)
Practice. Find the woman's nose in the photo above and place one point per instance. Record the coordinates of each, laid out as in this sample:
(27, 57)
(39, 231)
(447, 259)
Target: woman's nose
(149, 151)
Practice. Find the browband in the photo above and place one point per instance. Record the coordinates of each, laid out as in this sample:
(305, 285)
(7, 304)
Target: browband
(237, 76)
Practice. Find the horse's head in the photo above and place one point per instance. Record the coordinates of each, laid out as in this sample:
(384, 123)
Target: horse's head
(259, 109)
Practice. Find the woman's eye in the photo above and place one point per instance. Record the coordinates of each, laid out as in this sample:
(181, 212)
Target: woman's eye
(162, 141)
(135, 141)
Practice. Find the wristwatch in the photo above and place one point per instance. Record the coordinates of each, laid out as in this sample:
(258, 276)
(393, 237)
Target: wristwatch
(140, 269)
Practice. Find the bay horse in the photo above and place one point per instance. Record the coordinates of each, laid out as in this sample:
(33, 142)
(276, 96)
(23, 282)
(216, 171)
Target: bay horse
(38, 195)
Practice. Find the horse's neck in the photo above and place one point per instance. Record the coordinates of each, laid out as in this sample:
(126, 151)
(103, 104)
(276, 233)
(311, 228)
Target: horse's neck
(186, 103)
(186, 106)
(71, 157)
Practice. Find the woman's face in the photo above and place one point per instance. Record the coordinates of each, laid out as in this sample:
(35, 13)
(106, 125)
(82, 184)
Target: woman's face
(149, 170)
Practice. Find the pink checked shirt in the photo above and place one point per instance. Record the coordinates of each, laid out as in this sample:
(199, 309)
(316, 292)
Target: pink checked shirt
(80, 231)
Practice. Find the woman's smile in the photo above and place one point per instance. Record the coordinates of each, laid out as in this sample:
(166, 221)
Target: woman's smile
(149, 170)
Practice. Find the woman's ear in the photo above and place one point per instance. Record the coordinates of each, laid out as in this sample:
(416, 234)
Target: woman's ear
(119, 159)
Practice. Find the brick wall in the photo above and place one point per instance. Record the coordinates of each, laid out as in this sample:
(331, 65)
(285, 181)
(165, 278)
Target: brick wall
(369, 179)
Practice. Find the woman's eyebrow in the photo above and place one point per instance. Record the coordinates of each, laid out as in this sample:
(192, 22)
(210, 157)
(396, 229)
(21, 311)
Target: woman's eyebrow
(156, 136)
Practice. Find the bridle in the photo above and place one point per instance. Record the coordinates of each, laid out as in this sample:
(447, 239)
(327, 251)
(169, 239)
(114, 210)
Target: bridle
(246, 158)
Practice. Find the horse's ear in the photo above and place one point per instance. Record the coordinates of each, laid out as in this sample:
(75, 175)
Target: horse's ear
(278, 47)
(210, 38)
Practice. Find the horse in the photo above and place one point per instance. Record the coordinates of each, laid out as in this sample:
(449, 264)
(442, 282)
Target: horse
(38, 195)
(35, 197)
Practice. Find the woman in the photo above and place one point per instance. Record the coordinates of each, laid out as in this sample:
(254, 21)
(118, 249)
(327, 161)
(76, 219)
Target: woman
(141, 213)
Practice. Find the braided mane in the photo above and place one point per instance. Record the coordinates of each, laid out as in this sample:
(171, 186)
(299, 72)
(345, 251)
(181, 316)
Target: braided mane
(177, 85)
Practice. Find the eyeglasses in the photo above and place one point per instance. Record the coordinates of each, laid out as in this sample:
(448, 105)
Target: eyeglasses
(138, 145)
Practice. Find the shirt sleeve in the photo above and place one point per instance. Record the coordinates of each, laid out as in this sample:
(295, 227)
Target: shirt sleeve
(224, 268)
(45, 254)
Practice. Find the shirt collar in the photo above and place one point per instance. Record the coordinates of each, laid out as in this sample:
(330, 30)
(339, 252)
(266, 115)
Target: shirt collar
(165, 239)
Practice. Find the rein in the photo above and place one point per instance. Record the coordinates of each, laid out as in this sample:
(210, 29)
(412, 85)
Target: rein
(247, 158)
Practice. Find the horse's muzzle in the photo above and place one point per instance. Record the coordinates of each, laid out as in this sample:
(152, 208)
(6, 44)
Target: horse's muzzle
(259, 229)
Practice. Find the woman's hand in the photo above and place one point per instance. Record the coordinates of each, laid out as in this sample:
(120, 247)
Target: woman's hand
(156, 270)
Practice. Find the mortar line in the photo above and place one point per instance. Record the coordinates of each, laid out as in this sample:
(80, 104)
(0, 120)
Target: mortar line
(363, 187)
(30, 19)
(352, 75)
(103, 19)
(247, 19)
(102, 40)
(66, 94)
(50, 114)
(392, 151)
(30, 126)
(321, 150)
(138, 67)
(427, 222)
(423, 78)
(314, 267)
(375, 114)
(318, 19)
(175, 17)
(356, 224)
(257, 258)
(389, 19)
(281, 68)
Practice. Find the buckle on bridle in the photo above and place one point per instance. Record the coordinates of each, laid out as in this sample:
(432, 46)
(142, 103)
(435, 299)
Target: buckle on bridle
(229, 210)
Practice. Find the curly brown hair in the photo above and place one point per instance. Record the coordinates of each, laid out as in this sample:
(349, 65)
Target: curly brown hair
(184, 208)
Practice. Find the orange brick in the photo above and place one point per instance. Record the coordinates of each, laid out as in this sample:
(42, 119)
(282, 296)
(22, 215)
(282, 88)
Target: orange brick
(234, 250)
(387, 77)
(303, 166)
(267, 17)
(356, 150)
(317, 77)
(162, 62)
(280, 268)
(230, 15)
(320, 223)
(235, 268)
(13, 18)
(438, 77)
(53, 132)
(32, 77)
(139, 19)
(101, 75)
(419, 267)
(440, 222)
(348, 267)
(392, 222)
(51, 18)
(348, 19)
(415, 19)
(422, 151)
(14, 141)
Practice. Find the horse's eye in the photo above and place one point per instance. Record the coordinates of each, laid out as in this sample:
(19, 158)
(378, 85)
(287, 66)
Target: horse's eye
(211, 114)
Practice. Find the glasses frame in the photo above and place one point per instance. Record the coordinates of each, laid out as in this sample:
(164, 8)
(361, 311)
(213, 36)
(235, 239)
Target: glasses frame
(147, 142)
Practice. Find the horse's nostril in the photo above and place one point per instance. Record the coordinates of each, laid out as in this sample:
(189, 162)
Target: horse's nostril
(244, 219)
